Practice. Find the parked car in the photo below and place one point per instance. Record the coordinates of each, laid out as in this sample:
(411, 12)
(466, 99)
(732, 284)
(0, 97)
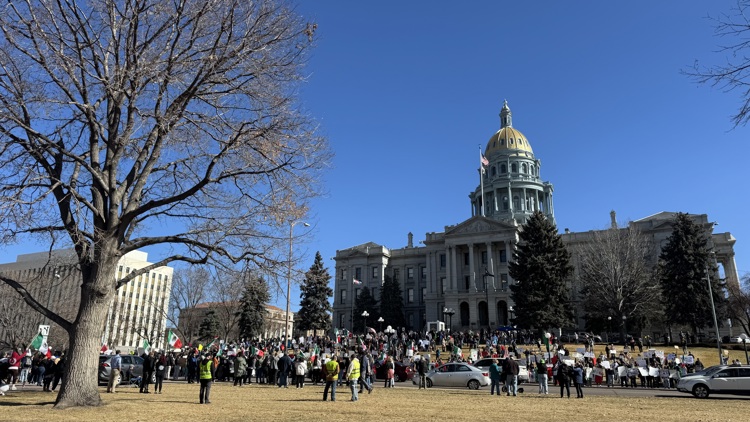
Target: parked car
(721, 379)
(133, 363)
(523, 373)
(402, 372)
(458, 374)
(583, 336)
(742, 338)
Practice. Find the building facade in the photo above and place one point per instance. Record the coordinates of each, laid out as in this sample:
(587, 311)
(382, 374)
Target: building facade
(190, 320)
(138, 311)
(460, 275)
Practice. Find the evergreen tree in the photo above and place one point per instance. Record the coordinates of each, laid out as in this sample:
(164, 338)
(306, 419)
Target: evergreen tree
(209, 328)
(315, 309)
(541, 268)
(392, 303)
(684, 264)
(365, 302)
(252, 310)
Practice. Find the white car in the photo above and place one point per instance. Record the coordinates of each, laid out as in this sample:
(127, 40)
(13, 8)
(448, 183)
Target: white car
(740, 339)
(721, 379)
(523, 374)
(457, 374)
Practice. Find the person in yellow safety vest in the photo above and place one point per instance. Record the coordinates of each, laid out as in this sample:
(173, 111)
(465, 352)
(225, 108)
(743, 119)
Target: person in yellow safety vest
(206, 370)
(331, 373)
(352, 374)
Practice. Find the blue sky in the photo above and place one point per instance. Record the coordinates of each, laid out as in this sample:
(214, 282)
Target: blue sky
(407, 91)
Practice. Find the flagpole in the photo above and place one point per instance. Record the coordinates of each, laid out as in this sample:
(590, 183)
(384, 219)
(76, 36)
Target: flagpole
(481, 179)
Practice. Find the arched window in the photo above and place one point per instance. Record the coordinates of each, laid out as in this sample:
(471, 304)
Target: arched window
(502, 313)
(516, 203)
(505, 203)
(514, 168)
(464, 310)
(523, 168)
(502, 142)
(503, 169)
(493, 171)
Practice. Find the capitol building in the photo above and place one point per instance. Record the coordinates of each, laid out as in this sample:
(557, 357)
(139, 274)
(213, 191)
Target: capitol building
(464, 267)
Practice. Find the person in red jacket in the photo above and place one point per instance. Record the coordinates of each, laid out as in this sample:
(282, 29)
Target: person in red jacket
(15, 365)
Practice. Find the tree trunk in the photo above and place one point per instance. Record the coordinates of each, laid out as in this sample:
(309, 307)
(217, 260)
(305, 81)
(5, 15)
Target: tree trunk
(80, 380)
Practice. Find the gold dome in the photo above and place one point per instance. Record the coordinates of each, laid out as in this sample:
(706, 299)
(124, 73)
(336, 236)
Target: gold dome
(507, 138)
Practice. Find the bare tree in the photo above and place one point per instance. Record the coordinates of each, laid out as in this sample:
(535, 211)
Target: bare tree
(189, 289)
(227, 292)
(738, 304)
(129, 124)
(618, 279)
(734, 73)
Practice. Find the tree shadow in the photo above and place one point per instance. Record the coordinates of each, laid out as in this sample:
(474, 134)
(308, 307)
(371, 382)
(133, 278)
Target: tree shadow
(17, 404)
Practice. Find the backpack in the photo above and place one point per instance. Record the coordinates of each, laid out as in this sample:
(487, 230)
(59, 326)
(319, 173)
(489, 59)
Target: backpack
(26, 361)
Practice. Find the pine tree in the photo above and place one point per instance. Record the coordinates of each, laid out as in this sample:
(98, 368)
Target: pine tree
(684, 264)
(315, 309)
(209, 328)
(392, 303)
(541, 268)
(365, 302)
(252, 310)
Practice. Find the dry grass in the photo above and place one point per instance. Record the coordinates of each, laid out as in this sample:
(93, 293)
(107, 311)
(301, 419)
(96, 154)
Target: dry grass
(180, 402)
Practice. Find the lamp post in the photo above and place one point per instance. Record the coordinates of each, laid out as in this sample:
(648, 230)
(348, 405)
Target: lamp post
(365, 314)
(289, 280)
(713, 312)
(546, 342)
(449, 312)
(380, 324)
(511, 310)
(609, 327)
(624, 328)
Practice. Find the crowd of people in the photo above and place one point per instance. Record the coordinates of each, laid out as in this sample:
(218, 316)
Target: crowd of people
(354, 360)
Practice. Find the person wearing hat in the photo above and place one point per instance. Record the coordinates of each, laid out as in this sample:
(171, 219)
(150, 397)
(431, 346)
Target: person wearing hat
(352, 374)
(541, 377)
(206, 372)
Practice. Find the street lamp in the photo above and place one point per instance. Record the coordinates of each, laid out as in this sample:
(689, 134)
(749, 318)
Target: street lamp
(609, 327)
(380, 324)
(713, 312)
(546, 342)
(289, 280)
(510, 309)
(449, 312)
(365, 314)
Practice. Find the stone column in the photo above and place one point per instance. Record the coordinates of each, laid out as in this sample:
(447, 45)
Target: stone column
(472, 267)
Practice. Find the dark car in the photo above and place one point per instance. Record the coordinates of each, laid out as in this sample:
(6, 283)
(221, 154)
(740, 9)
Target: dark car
(402, 372)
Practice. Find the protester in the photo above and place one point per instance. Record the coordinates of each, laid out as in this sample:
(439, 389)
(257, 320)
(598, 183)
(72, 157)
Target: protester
(331, 374)
(115, 367)
(206, 371)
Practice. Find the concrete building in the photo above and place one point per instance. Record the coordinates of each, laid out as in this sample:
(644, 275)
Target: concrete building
(137, 312)
(191, 318)
(463, 269)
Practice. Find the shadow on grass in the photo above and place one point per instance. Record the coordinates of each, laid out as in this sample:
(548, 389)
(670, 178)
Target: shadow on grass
(688, 397)
(16, 404)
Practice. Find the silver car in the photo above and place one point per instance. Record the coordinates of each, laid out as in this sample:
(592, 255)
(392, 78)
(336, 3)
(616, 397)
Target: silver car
(131, 366)
(458, 375)
(523, 373)
(721, 379)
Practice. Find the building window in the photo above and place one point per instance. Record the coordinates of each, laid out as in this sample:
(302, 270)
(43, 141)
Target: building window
(410, 273)
(409, 295)
(523, 168)
(375, 273)
(466, 259)
(493, 171)
(356, 292)
(424, 293)
(504, 281)
(514, 168)
(505, 203)
(442, 260)
(343, 274)
(516, 203)
(396, 274)
(484, 257)
(423, 272)
(466, 282)
(503, 257)
(375, 293)
(358, 273)
(443, 286)
(343, 297)
(342, 320)
(503, 169)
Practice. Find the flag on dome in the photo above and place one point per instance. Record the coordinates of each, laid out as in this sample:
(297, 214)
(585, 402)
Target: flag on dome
(483, 160)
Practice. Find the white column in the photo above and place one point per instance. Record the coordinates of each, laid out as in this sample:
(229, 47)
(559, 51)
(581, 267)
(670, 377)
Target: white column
(472, 267)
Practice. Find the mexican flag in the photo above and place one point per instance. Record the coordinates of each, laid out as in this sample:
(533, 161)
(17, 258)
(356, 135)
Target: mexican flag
(382, 357)
(146, 345)
(336, 334)
(457, 351)
(174, 341)
(36, 343)
(315, 353)
(210, 345)
(104, 348)
(44, 349)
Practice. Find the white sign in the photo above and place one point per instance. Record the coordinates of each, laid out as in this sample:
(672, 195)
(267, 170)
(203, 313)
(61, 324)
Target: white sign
(473, 355)
(44, 329)
(605, 364)
(654, 372)
(643, 371)
(689, 360)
